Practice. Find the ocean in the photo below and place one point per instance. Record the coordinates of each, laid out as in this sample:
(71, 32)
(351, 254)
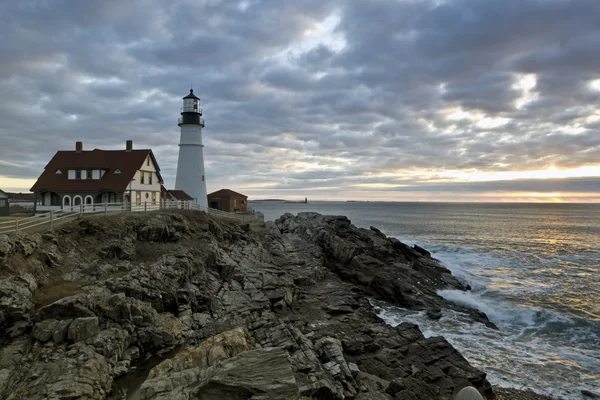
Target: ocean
(534, 270)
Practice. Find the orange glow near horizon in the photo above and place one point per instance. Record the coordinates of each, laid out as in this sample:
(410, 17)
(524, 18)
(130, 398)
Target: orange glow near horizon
(549, 173)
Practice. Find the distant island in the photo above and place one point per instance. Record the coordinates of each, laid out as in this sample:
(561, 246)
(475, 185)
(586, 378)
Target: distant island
(260, 200)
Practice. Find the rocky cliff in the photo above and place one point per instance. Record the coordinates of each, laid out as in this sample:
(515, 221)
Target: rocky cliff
(179, 305)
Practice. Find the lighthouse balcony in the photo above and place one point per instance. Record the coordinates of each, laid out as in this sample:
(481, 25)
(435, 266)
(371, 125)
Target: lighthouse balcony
(191, 109)
(190, 119)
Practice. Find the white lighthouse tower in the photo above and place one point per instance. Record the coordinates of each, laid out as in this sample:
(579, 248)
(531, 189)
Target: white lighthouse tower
(190, 167)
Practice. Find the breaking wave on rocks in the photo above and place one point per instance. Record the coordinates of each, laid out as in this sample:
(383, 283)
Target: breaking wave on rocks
(547, 350)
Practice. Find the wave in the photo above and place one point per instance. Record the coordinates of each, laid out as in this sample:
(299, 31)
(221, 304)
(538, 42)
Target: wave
(497, 313)
(545, 342)
(521, 358)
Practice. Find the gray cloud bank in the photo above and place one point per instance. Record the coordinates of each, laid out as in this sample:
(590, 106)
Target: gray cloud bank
(310, 94)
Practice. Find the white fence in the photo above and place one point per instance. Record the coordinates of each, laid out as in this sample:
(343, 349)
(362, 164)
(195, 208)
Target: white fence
(47, 221)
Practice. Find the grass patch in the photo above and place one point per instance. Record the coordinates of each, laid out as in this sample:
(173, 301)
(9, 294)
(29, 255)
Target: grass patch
(55, 291)
(17, 209)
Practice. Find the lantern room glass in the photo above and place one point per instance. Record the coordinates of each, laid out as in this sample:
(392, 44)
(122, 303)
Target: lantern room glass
(191, 105)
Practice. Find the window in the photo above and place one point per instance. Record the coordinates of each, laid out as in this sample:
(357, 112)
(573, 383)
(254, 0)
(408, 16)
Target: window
(153, 197)
(117, 171)
(77, 174)
(58, 172)
(149, 178)
(202, 178)
(2, 203)
(90, 174)
(71, 174)
(148, 161)
(147, 195)
(102, 173)
(142, 178)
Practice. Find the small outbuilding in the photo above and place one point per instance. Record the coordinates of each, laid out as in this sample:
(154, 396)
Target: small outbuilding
(228, 200)
(174, 195)
(4, 204)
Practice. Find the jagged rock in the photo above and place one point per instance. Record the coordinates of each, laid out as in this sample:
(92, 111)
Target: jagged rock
(331, 350)
(61, 329)
(421, 251)
(589, 394)
(434, 313)
(5, 246)
(26, 244)
(245, 376)
(354, 370)
(118, 249)
(82, 329)
(162, 231)
(44, 330)
(175, 374)
(15, 301)
(51, 259)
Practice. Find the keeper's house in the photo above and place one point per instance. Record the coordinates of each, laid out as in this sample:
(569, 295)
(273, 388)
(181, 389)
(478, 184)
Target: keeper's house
(97, 176)
(4, 204)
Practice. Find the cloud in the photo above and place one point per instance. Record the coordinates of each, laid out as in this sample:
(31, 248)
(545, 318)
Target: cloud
(311, 93)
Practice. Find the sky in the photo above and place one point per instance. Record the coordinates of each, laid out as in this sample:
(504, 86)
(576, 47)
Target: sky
(396, 100)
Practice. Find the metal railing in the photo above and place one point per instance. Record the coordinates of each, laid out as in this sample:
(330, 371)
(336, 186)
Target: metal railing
(47, 221)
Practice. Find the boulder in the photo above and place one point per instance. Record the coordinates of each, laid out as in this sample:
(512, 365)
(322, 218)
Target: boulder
(82, 328)
(44, 330)
(61, 329)
(245, 376)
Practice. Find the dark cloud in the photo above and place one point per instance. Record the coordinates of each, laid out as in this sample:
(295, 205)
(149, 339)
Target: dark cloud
(312, 93)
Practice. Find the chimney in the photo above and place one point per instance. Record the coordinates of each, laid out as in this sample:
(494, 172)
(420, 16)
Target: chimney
(78, 147)
(129, 145)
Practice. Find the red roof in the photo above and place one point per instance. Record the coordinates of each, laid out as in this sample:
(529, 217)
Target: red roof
(180, 195)
(127, 162)
(226, 193)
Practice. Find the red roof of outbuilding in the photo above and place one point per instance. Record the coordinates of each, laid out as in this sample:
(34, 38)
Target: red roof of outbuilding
(226, 193)
(180, 195)
(127, 162)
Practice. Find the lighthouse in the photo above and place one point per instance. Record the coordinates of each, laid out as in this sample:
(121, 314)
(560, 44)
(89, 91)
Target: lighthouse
(190, 167)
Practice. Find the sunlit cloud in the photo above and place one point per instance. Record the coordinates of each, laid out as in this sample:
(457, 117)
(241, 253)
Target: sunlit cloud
(526, 83)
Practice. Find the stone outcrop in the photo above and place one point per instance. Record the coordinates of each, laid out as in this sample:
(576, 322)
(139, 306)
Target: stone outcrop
(179, 305)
